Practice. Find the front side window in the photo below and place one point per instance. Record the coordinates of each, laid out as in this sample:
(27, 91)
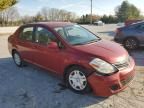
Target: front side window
(76, 35)
(27, 34)
(44, 36)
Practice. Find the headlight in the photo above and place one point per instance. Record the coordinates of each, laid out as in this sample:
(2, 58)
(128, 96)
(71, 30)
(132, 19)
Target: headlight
(102, 66)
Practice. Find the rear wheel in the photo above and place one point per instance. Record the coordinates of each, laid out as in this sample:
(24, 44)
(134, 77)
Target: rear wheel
(131, 43)
(76, 80)
(17, 59)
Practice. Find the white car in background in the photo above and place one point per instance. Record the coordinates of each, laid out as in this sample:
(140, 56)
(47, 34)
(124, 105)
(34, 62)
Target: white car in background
(120, 24)
(99, 23)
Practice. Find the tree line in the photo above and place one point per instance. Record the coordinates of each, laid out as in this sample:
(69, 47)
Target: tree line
(10, 16)
(50, 14)
(123, 12)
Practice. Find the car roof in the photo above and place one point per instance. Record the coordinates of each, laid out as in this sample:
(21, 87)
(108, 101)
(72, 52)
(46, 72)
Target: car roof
(139, 22)
(134, 24)
(52, 24)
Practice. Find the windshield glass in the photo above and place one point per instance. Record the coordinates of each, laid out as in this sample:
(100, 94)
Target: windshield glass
(76, 35)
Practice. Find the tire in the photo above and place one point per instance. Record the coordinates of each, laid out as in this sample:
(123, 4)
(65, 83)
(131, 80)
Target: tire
(76, 80)
(17, 59)
(131, 43)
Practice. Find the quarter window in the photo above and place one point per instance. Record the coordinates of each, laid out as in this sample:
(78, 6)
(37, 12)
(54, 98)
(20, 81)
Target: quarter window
(44, 36)
(27, 34)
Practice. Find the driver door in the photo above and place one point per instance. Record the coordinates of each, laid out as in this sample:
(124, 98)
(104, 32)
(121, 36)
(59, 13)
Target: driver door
(45, 56)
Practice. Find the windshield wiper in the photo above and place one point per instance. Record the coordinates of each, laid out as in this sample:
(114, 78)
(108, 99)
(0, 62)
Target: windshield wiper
(78, 44)
(92, 41)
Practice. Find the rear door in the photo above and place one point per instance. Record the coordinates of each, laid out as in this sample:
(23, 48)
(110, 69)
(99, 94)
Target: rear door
(25, 46)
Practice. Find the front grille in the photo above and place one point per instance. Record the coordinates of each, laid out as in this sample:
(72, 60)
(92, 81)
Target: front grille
(123, 64)
(127, 80)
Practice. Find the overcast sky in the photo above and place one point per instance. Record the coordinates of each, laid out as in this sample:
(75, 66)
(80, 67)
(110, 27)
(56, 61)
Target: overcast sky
(100, 7)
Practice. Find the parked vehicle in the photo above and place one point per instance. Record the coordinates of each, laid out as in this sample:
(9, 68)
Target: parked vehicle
(99, 23)
(120, 24)
(131, 36)
(84, 60)
(129, 22)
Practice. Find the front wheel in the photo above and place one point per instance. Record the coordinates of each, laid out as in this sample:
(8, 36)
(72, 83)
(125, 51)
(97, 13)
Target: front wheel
(76, 80)
(131, 43)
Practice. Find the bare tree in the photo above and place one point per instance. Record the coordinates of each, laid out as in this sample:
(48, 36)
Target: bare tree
(9, 15)
(44, 13)
(38, 17)
(12, 16)
(53, 14)
(27, 19)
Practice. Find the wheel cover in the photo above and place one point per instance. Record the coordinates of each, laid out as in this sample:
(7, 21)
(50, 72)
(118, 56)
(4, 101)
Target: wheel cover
(77, 80)
(130, 43)
(17, 59)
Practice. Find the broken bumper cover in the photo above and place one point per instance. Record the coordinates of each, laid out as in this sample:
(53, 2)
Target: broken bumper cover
(108, 85)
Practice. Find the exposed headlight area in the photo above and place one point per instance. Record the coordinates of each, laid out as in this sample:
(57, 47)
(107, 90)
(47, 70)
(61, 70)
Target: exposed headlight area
(124, 64)
(102, 67)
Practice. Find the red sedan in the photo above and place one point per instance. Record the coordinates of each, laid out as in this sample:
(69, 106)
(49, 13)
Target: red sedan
(85, 61)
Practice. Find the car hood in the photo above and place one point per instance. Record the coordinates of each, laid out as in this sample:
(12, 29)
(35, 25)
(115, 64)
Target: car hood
(106, 50)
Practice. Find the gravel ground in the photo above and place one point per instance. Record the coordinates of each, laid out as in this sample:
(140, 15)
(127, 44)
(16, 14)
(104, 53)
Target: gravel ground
(32, 87)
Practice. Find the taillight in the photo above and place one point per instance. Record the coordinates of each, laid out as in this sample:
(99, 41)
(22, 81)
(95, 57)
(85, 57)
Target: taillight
(10, 38)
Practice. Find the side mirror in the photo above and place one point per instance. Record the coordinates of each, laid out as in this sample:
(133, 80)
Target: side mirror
(53, 45)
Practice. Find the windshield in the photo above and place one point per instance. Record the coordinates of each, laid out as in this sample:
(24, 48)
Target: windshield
(76, 35)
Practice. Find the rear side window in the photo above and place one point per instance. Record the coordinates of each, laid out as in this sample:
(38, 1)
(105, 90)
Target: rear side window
(140, 27)
(44, 36)
(27, 34)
